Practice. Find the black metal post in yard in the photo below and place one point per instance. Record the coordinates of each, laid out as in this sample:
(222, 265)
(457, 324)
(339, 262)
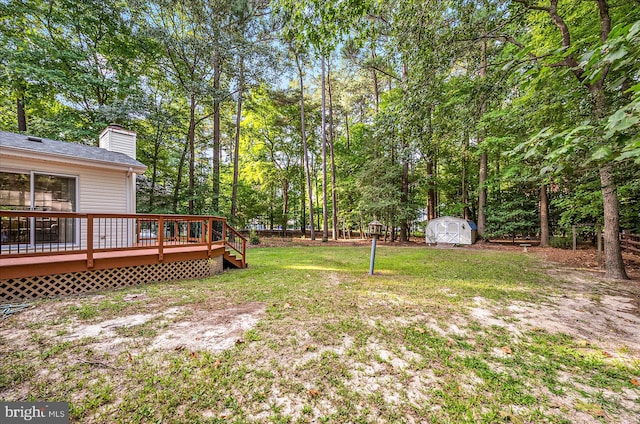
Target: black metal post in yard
(373, 254)
(375, 229)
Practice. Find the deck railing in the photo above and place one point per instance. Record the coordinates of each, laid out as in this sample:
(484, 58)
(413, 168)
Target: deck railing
(35, 233)
(236, 242)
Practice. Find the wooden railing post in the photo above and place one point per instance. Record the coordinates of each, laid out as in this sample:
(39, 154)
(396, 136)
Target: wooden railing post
(161, 238)
(209, 235)
(224, 231)
(89, 241)
(244, 253)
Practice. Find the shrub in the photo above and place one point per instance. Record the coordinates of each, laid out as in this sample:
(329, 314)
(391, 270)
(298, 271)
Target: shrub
(561, 242)
(253, 237)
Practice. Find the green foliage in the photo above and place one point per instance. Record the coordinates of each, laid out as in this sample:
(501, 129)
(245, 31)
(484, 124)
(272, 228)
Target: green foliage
(254, 239)
(561, 242)
(413, 105)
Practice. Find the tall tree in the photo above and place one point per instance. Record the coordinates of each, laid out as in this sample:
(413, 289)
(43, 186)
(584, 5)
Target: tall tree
(600, 99)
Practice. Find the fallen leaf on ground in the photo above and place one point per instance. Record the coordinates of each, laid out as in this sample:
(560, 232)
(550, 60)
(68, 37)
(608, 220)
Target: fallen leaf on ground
(313, 393)
(635, 382)
(507, 350)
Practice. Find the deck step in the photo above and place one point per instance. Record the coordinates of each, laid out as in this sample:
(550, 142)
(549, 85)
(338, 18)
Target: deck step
(232, 260)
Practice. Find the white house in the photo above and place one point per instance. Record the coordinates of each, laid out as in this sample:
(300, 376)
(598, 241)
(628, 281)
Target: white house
(51, 175)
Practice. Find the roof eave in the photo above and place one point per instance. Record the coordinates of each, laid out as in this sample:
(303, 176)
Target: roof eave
(57, 157)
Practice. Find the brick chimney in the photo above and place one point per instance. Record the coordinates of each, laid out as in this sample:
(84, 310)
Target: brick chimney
(116, 139)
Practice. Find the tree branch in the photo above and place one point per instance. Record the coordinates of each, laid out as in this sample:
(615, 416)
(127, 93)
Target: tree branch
(375, 68)
(532, 7)
(569, 61)
(605, 29)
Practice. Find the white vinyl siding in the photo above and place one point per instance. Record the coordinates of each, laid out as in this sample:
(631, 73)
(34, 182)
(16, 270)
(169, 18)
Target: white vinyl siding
(119, 141)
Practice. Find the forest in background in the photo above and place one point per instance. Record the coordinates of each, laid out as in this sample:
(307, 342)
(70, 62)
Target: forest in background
(325, 114)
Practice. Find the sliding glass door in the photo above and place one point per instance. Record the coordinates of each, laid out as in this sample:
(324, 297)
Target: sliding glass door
(38, 192)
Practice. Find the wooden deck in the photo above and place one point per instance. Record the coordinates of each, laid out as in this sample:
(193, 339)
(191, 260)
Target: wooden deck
(33, 266)
(206, 237)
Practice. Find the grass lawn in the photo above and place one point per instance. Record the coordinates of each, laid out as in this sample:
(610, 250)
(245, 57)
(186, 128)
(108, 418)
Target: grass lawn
(305, 335)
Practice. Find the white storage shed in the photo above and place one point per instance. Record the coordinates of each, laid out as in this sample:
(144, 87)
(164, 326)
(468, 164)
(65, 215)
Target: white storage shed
(449, 229)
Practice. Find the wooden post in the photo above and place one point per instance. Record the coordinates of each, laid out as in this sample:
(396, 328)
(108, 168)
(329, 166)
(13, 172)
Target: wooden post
(575, 239)
(209, 235)
(161, 238)
(599, 236)
(89, 241)
(224, 231)
(244, 253)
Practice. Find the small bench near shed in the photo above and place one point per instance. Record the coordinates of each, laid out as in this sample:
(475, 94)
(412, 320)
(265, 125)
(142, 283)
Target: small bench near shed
(524, 246)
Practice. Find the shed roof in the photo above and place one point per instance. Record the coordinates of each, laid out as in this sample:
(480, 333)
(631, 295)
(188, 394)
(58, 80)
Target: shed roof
(66, 149)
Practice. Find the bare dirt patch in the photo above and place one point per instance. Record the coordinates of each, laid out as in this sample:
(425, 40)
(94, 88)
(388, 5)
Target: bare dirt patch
(212, 331)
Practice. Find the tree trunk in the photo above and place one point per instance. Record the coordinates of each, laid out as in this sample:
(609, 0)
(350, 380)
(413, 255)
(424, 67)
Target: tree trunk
(404, 197)
(404, 160)
(482, 194)
(431, 193)
(22, 117)
(432, 201)
(346, 126)
(215, 160)
(305, 148)
(285, 205)
(376, 89)
(192, 152)
(465, 191)
(236, 147)
(154, 174)
(303, 202)
(325, 216)
(614, 265)
(176, 189)
(334, 191)
(482, 180)
(544, 216)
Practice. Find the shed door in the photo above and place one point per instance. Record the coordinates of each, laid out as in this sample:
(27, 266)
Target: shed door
(448, 232)
(453, 232)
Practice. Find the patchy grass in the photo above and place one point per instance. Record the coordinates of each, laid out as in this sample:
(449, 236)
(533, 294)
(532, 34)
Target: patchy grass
(460, 335)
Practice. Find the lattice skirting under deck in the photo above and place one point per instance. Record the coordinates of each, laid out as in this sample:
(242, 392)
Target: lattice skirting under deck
(19, 289)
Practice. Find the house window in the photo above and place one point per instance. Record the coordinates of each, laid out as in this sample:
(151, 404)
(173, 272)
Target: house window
(15, 191)
(54, 193)
(40, 192)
